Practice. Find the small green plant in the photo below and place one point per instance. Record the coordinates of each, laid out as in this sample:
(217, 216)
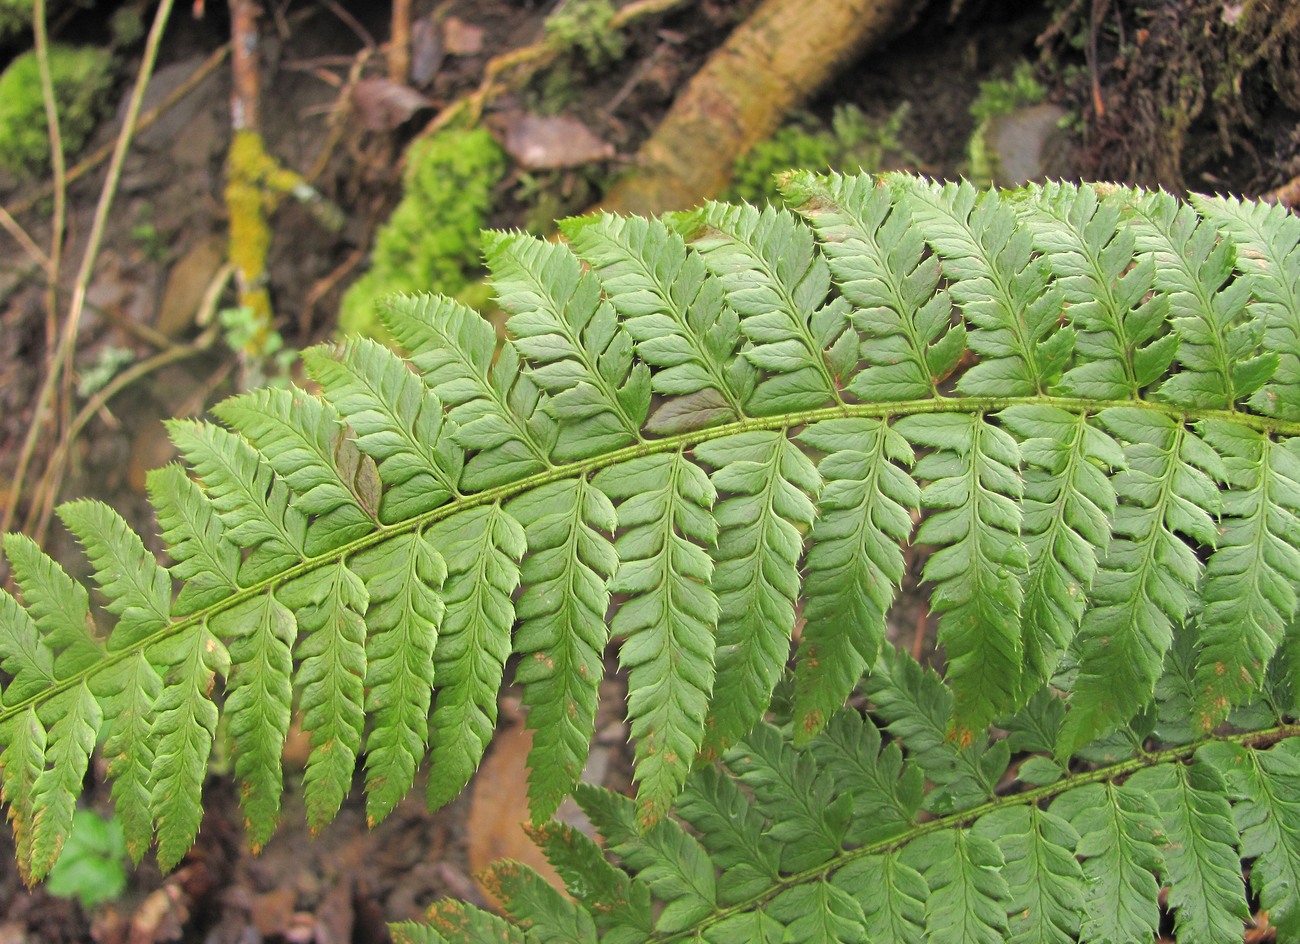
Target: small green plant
(432, 238)
(92, 868)
(81, 79)
(851, 143)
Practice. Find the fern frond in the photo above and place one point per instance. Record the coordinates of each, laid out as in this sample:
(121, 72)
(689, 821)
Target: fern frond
(708, 440)
(1080, 859)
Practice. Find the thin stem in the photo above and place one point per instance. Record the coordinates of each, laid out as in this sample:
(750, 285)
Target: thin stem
(59, 371)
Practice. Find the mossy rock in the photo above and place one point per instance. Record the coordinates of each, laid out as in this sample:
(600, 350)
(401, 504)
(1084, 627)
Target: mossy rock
(431, 241)
(81, 79)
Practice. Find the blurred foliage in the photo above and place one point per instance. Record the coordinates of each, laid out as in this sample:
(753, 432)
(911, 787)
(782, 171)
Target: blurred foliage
(81, 78)
(92, 866)
(585, 26)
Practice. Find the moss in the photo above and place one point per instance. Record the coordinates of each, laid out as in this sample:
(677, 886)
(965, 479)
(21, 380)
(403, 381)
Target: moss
(431, 241)
(851, 142)
(586, 26)
(81, 79)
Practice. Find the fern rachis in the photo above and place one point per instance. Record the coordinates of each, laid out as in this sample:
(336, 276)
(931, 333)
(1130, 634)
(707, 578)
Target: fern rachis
(701, 429)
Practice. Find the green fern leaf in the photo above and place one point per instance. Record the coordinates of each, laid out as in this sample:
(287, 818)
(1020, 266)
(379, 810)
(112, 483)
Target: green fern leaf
(777, 283)
(138, 588)
(551, 918)
(664, 856)
(497, 411)
(205, 560)
(806, 816)
(452, 922)
(876, 254)
(756, 571)
(969, 897)
(733, 832)
(977, 570)
(72, 720)
(581, 355)
(304, 441)
(259, 633)
(1251, 579)
(1202, 867)
(1120, 847)
(24, 656)
(1068, 505)
(398, 421)
(1218, 355)
(21, 764)
(892, 895)
(1045, 881)
(1119, 346)
(329, 604)
(562, 632)
(854, 564)
(481, 547)
(1145, 583)
(402, 579)
(252, 503)
(668, 618)
(185, 728)
(819, 913)
(750, 927)
(916, 706)
(1001, 288)
(675, 312)
(59, 606)
(128, 692)
(886, 792)
(1266, 791)
(1268, 250)
(619, 906)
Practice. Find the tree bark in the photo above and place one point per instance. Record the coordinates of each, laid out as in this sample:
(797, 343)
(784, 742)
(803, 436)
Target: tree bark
(769, 65)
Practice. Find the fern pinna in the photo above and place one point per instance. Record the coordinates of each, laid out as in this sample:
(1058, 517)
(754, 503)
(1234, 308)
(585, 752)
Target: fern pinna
(721, 427)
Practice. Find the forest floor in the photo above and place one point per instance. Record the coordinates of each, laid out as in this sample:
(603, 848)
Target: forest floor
(164, 245)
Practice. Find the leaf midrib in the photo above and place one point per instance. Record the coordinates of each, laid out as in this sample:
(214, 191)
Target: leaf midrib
(667, 444)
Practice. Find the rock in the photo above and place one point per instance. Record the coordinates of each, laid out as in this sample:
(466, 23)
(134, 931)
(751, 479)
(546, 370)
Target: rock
(1024, 145)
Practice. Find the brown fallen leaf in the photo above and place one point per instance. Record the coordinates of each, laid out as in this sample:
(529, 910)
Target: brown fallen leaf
(548, 142)
(460, 38)
(382, 105)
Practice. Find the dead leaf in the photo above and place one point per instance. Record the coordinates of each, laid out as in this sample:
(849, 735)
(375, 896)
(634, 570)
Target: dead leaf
(499, 807)
(547, 142)
(427, 50)
(382, 105)
(460, 38)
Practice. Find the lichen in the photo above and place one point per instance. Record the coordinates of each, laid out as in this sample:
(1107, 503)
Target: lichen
(431, 241)
(81, 78)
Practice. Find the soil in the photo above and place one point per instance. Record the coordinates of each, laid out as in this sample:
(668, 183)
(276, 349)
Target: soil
(164, 244)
